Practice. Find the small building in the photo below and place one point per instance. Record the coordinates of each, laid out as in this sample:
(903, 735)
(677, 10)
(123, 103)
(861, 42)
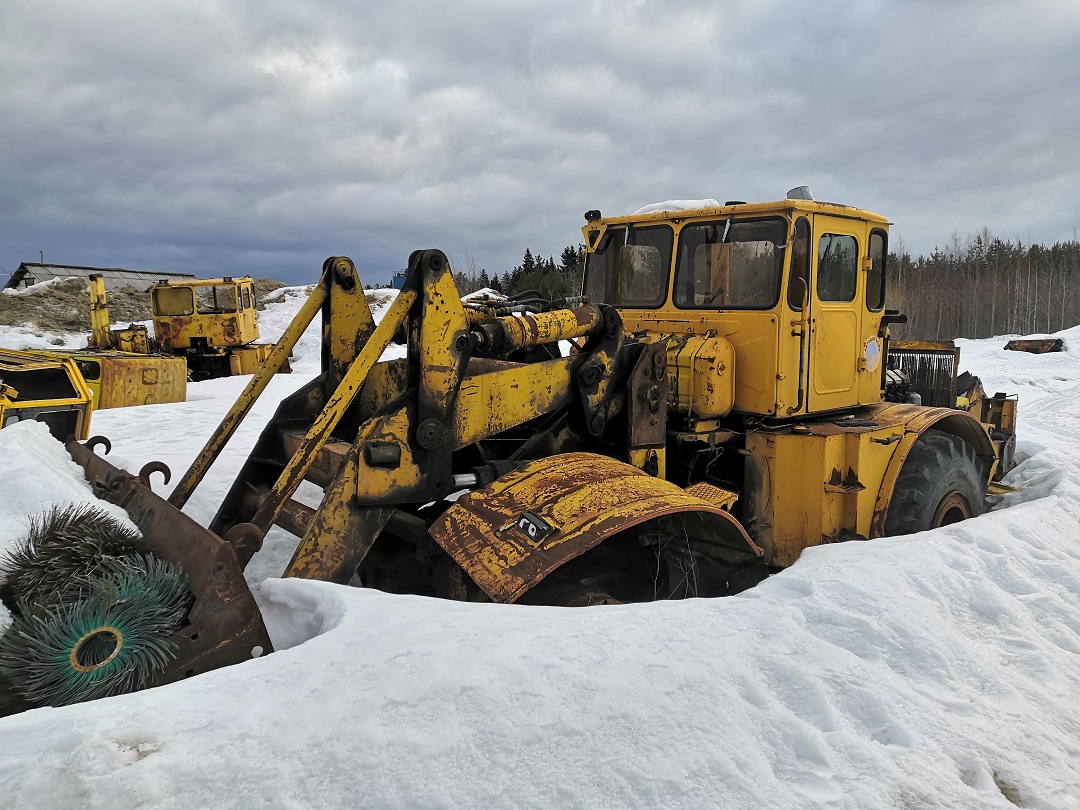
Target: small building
(30, 273)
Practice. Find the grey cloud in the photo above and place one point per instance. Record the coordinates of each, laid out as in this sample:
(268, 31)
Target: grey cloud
(263, 136)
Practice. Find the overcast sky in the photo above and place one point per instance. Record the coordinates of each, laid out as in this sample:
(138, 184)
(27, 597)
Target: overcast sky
(262, 136)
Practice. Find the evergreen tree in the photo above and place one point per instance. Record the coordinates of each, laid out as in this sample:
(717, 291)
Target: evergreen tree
(569, 261)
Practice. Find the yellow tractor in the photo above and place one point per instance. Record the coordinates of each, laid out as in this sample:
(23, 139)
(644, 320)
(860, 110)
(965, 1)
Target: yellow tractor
(716, 402)
(211, 323)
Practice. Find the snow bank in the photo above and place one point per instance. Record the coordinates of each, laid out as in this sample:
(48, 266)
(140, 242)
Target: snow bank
(40, 288)
(677, 205)
(483, 293)
(28, 338)
(933, 671)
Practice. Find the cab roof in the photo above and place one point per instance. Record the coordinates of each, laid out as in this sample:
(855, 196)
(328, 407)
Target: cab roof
(202, 282)
(788, 206)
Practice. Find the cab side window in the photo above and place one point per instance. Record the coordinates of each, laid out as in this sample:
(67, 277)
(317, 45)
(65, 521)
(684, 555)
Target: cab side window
(875, 278)
(838, 264)
(630, 267)
(800, 265)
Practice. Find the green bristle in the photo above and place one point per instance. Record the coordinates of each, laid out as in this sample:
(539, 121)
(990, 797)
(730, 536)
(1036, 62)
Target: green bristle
(64, 546)
(145, 600)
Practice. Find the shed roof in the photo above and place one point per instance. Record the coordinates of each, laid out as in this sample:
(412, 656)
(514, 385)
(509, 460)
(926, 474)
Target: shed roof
(29, 273)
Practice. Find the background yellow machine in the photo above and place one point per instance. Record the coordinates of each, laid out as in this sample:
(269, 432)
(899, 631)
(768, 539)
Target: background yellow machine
(46, 389)
(211, 323)
(120, 366)
(728, 399)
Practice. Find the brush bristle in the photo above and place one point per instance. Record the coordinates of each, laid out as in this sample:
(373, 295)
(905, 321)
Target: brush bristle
(63, 546)
(142, 600)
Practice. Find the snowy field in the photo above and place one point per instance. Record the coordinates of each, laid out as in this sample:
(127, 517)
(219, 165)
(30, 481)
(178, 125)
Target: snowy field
(940, 670)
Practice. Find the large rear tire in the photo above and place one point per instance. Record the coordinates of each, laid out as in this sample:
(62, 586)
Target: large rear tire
(939, 484)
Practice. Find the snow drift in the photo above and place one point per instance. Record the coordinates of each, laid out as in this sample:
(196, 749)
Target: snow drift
(936, 670)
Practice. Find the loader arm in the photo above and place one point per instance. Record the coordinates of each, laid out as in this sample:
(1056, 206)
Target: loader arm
(475, 398)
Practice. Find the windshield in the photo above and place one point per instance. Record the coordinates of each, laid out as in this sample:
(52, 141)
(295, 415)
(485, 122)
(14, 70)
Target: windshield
(741, 271)
(216, 300)
(630, 269)
(173, 301)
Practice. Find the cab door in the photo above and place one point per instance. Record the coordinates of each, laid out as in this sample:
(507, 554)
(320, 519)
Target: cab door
(836, 313)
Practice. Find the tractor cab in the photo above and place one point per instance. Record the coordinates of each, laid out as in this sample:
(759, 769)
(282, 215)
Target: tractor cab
(214, 313)
(772, 309)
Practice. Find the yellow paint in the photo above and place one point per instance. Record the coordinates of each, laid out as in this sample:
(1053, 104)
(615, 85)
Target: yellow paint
(779, 350)
(122, 379)
(62, 399)
(701, 376)
(219, 311)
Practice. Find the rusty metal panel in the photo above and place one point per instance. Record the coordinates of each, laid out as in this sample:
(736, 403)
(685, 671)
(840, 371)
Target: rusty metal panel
(225, 625)
(647, 392)
(1036, 345)
(512, 534)
(139, 379)
(249, 359)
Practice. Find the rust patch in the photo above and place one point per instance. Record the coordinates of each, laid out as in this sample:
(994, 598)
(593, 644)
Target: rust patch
(1036, 346)
(511, 535)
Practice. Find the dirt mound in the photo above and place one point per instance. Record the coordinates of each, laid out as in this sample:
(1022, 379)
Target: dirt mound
(64, 306)
(262, 287)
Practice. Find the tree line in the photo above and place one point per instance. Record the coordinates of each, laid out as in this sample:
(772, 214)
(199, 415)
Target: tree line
(984, 286)
(552, 280)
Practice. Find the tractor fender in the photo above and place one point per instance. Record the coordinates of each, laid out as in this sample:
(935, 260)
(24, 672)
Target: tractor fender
(916, 420)
(510, 535)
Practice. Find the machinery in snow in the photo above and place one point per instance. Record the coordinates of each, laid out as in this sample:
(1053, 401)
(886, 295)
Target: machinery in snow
(211, 323)
(121, 366)
(44, 388)
(714, 404)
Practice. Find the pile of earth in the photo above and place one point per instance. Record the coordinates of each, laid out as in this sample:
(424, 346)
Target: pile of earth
(64, 305)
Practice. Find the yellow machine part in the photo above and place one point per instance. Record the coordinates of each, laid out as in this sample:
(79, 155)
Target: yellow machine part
(119, 380)
(46, 389)
(828, 481)
(510, 535)
(701, 376)
(248, 359)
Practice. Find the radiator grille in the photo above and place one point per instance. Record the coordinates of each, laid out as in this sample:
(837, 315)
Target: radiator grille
(932, 367)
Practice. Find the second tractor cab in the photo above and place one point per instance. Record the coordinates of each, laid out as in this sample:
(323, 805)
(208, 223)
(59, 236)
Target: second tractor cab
(45, 388)
(212, 323)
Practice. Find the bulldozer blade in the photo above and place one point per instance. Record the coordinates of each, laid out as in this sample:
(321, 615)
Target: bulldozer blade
(525, 525)
(225, 625)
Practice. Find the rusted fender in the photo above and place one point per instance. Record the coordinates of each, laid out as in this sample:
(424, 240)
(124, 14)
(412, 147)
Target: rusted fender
(512, 534)
(225, 625)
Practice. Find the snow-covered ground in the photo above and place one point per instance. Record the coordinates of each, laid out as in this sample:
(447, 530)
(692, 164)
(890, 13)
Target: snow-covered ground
(934, 671)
